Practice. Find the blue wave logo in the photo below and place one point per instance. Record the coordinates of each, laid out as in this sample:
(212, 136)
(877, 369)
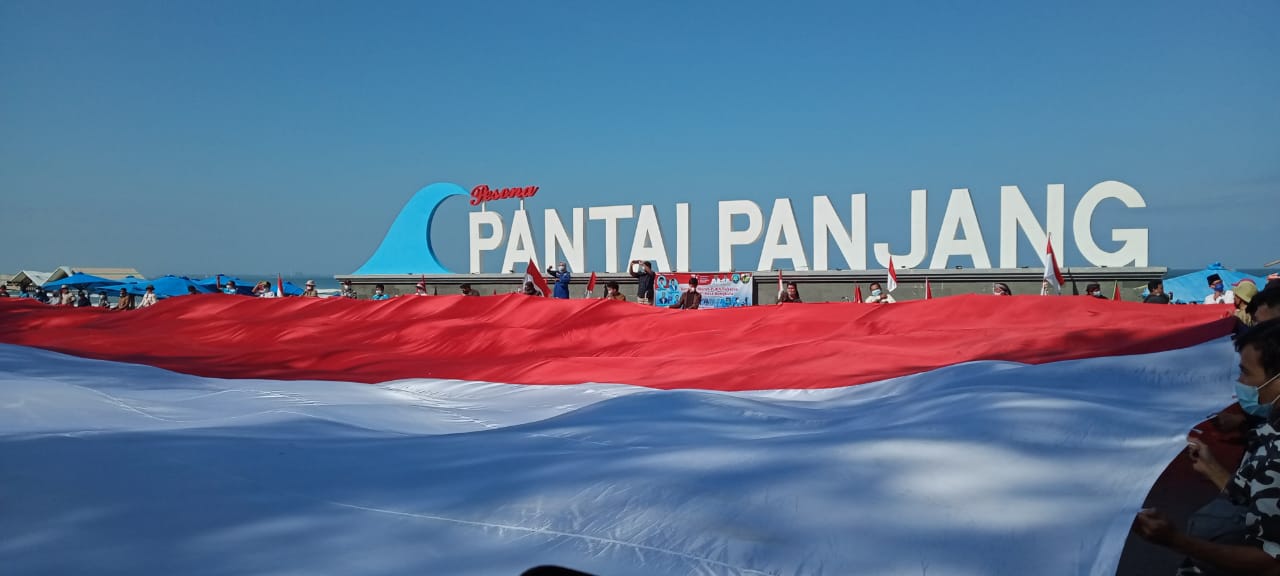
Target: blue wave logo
(406, 249)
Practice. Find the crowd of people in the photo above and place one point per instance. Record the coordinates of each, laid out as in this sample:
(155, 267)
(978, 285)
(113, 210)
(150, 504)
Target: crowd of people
(1243, 295)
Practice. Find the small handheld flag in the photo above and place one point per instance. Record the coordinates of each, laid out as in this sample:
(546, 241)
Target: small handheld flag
(1115, 294)
(892, 281)
(591, 284)
(1052, 274)
(531, 274)
(857, 292)
(279, 286)
(928, 289)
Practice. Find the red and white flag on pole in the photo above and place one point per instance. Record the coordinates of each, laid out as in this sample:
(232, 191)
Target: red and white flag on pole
(531, 274)
(892, 281)
(857, 292)
(279, 286)
(1052, 274)
(928, 289)
(1115, 293)
(781, 288)
(591, 284)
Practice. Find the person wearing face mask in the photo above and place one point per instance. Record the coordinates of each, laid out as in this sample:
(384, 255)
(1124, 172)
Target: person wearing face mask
(379, 293)
(878, 295)
(1095, 290)
(613, 292)
(563, 277)
(1220, 294)
(1246, 539)
(642, 271)
(691, 298)
(1001, 289)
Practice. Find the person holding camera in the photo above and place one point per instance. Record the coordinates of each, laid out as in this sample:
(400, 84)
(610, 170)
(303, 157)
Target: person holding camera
(563, 277)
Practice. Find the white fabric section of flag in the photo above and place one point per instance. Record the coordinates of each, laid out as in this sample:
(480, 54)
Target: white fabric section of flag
(986, 468)
(1052, 274)
(891, 282)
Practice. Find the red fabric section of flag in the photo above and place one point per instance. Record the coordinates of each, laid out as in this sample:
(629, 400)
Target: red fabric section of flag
(517, 339)
(591, 283)
(928, 289)
(1115, 294)
(857, 292)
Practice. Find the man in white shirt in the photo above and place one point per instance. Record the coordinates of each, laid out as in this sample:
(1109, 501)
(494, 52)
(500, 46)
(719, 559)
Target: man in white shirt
(878, 295)
(148, 299)
(1220, 294)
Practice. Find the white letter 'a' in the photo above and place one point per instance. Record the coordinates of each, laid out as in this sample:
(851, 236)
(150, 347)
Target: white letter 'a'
(960, 216)
(1133, 247)
(782, 239)
(730, 237)
(484, 243)
(647, 243)
(919, 237)
(520, 248)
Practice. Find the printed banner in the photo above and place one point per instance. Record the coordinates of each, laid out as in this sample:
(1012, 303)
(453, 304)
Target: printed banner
(718, 289)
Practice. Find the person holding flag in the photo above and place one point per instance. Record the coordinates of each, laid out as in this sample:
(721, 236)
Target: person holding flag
(534, 283)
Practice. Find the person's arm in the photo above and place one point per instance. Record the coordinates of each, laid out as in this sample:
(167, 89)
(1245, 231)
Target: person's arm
(1202, 461)
(1157, 529)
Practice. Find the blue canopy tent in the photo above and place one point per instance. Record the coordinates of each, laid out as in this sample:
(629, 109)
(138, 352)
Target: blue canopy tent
(291, 290)
(1194, 287)
(81, 281)
(166, 286)
(242, 287)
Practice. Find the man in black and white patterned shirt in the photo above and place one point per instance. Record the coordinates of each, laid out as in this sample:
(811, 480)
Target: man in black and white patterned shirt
(1255, 486)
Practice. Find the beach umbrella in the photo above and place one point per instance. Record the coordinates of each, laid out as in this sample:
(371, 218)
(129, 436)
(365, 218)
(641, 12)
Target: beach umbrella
(82, 281)
(166, 286)
(290, 289)
(242, 286)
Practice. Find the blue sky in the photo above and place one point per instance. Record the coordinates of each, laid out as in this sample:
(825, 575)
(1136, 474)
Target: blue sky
(257, 137)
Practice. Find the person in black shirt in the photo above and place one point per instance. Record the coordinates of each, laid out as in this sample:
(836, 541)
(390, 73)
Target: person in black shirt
(1155, 293)
(790, 295)
(691, 299)
(642, 271)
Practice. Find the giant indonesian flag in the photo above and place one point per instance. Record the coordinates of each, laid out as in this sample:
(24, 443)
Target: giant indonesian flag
(971, 435)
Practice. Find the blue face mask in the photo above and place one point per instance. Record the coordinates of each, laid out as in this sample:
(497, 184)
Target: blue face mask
(875, 292)
(1247, 396)
(1218, 287)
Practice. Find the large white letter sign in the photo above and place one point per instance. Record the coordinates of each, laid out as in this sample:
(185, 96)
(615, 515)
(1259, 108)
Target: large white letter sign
(484, 243)
(610, 215)
(647, 243)
(520, 248)
(730, 237)
(1133, 247)
(919, 236)
(1015, 214)
(682, 237)
(959, 217)
(782, 239)
(555, 235)
(852, 243)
